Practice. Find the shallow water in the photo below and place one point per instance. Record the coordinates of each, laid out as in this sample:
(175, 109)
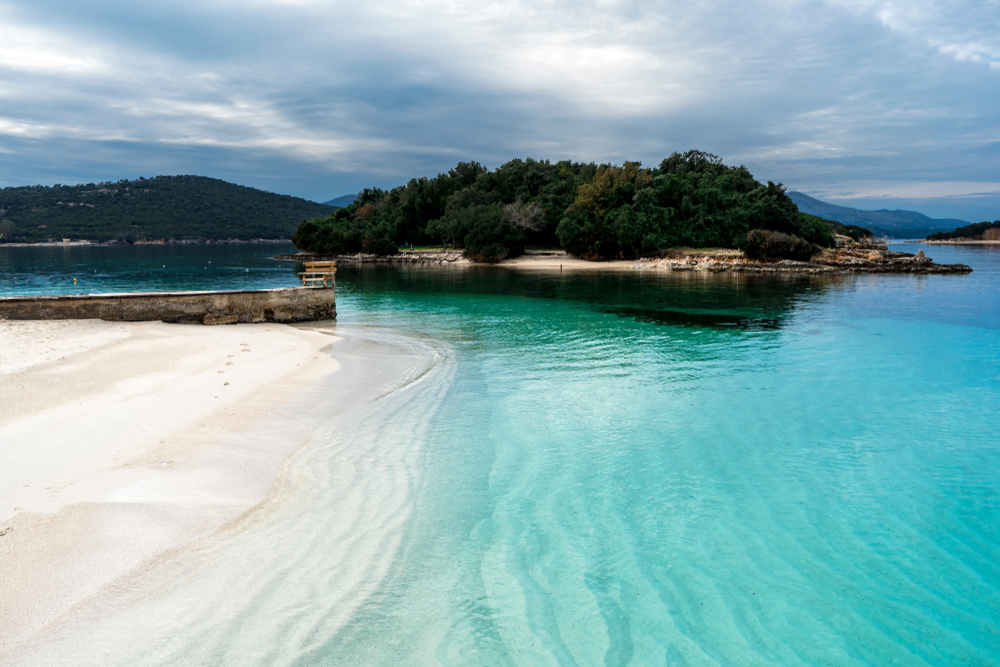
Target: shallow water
(620, 469)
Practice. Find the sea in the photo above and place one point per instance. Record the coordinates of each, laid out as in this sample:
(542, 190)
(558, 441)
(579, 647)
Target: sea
(631, 467)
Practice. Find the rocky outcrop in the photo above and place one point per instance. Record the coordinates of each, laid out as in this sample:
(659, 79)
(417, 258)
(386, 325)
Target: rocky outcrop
(884, 261)
(299, 304)
(739, 264)
(864, 257)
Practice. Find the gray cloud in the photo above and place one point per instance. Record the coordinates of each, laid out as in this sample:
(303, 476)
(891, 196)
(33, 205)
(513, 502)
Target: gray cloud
(838, 98)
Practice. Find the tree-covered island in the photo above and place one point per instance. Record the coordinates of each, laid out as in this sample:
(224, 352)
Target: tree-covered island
(593, 211)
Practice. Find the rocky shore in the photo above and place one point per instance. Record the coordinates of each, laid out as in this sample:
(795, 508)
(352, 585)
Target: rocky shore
(836, 260)
(848, 257)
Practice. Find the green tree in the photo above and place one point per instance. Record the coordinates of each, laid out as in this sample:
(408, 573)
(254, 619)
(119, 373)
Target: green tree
(594, 211)
(492, 237)
(6, 230)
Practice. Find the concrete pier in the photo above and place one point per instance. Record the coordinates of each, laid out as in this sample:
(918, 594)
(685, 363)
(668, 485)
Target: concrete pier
(297, 304)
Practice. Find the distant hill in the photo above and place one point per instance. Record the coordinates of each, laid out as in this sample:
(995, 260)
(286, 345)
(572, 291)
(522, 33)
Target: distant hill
(341, 202)
(892, 224)
(164, 207)
(981, 231)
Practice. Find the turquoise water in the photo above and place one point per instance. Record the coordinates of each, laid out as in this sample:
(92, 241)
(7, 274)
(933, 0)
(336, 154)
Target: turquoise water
(622, 469)
(638, 470)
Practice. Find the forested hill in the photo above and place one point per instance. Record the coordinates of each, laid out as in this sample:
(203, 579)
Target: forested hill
(164, 207)
(981, 231)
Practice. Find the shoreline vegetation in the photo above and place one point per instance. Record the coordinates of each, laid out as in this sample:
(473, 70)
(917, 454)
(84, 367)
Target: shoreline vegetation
(691, 210)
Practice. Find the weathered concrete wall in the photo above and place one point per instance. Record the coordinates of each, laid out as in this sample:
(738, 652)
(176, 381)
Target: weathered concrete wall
(299, 304)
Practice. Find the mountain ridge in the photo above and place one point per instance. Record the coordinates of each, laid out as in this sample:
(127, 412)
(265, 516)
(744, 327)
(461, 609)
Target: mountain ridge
(897, 223)
(342, 201)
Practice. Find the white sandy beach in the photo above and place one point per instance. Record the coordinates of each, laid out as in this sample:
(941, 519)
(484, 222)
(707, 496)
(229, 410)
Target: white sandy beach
(119, 441)
(562, 261)
(532, 259)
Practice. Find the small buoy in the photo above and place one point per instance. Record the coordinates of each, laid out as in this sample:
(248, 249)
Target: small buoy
(74, 281)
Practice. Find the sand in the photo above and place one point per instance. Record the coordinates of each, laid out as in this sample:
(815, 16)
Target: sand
(561, 261)
(120, 441)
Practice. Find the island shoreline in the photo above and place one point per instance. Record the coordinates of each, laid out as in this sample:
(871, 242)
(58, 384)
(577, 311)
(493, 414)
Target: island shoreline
(863, 259)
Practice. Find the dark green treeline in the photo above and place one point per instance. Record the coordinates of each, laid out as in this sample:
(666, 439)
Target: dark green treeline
(593, 211)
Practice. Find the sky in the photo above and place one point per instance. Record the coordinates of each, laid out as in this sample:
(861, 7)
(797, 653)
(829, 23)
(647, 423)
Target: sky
(865, 103)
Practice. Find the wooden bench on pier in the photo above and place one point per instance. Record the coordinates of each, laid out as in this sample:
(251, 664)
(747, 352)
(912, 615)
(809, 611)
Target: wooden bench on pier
(319, 272)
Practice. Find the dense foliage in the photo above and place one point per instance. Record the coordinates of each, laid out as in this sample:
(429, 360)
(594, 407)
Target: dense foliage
(691, 200)
(593, 211)
(165, 207)
(980, 230)
(766, 244)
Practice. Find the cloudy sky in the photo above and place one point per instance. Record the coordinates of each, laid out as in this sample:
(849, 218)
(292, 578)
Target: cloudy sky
(870, 103)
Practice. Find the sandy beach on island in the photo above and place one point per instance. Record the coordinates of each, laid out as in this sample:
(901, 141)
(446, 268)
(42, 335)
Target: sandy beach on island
(531, 259)
(119, 441)
(564, 261)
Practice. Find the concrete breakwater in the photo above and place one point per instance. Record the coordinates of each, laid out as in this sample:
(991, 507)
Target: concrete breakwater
(297, 304)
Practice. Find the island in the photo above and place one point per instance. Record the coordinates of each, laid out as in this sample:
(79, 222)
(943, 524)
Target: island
(691, 210)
